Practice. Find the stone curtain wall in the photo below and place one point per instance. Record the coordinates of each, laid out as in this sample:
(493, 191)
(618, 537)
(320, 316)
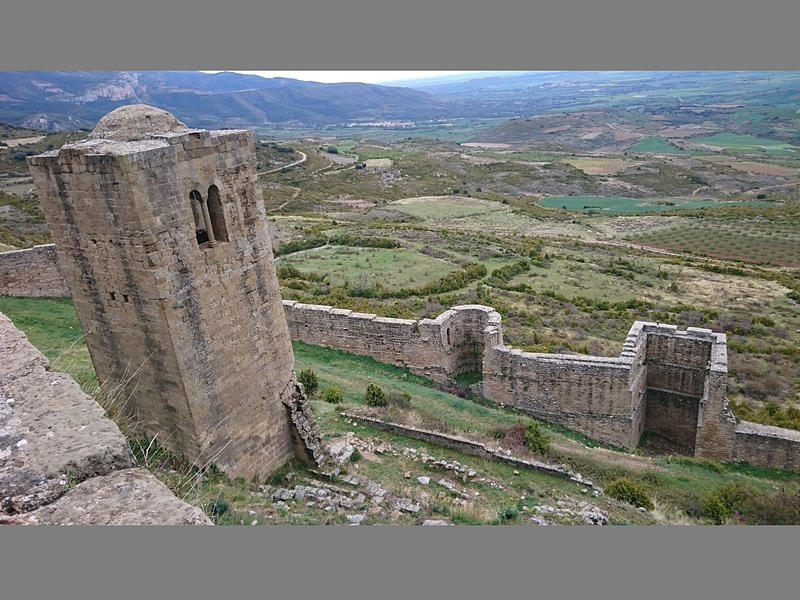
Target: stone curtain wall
(766, 446)
(587, 394)
(32, 273)
(439, 348)
(666, 381)
(62, 460)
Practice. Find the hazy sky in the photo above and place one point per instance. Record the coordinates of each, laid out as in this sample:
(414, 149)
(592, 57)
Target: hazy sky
(349, 76)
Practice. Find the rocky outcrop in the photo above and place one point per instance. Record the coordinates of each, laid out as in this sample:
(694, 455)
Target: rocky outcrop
(127, 497)
(62, 460)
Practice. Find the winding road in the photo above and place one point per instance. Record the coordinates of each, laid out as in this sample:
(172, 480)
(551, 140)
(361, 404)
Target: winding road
(303, 159)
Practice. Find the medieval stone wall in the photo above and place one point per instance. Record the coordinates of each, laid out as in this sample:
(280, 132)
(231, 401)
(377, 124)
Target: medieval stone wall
(766, 446)
(673, 416)
(439, 348)
(32, 273)
(591, 395)
(666, 381)
(62, 460)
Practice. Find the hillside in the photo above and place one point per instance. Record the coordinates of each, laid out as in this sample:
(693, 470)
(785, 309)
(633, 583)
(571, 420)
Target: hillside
(59, 100)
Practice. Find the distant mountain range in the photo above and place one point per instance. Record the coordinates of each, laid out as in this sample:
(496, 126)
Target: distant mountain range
(66, 100)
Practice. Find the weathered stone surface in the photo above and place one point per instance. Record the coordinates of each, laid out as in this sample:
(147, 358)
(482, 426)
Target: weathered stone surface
(135, 122)
(51, 432)
(438, 348)
(126, 497)
(306, 433)
(32, 273)
(162, 238)
(767, 446)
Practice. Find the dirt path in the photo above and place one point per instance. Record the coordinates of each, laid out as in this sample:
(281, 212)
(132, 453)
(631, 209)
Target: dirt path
(630, 461)
(282, 206)
(618, 129)
(774, 187)
(294, 164)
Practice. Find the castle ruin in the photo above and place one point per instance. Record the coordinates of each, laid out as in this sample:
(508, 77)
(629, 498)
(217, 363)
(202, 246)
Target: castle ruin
(162, 240)
(161, 235)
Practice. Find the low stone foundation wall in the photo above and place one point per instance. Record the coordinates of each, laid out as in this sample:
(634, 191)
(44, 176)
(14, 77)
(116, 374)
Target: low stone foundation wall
(766, 446)
(62, 460)
(32, 273)
(469, 447)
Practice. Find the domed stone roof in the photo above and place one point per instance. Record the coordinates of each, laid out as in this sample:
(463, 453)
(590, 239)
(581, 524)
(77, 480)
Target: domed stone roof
(136, 122)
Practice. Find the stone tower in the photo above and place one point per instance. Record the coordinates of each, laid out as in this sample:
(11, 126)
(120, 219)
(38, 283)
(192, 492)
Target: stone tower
(161, 234)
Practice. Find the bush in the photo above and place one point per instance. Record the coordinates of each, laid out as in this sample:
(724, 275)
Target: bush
(217, 508)
(628, 491)
(309, 380)
(375, 395)
(716, 510)
(333, 395)
(536, 439)
(508, 513)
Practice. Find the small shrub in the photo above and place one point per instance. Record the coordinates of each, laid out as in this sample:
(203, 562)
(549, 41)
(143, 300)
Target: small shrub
(508, 513)
(217, 508)
(716, 510)
(355, 456)
(333, 395)
(374, 396)
(536, 439)
(309, 380)
(628, 491)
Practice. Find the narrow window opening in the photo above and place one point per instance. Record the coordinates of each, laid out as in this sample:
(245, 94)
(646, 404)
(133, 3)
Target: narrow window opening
(125, 298)
(448, 336)
(113, 295)
(217, 215)
(200, 231)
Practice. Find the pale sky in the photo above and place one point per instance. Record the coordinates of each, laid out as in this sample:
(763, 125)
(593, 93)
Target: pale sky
(350, 76)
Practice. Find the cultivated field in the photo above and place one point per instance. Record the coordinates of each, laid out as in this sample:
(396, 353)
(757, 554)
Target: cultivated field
(751, 241)
(626, 205)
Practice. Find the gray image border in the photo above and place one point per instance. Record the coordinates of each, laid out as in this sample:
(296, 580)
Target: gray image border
(398, 562)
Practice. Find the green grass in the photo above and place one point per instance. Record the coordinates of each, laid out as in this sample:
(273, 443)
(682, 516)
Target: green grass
(656, 145)
(621, 205)
(394, 267)
(734, 142)
(52, 325)
(446, 208)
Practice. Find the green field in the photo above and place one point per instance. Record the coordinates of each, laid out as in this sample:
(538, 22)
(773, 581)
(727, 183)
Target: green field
(52, 326)
(400, 266)
(612, 204)
(733, 142)
(446, 207)
(774, 243)
(656, 145)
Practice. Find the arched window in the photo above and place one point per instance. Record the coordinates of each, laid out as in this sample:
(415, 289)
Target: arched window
(217, 215)
(199, 221)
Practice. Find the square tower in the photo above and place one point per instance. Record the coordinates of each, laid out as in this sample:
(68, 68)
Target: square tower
(161, 235)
